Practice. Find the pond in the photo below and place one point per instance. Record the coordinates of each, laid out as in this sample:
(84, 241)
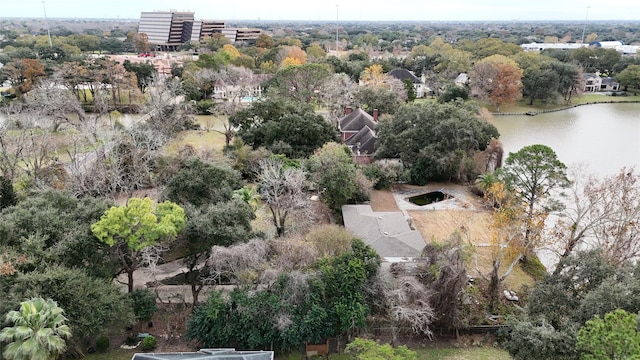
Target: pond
(605, 137)
(428, 198)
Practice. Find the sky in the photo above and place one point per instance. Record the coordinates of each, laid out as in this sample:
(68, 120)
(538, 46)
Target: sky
(360, 10)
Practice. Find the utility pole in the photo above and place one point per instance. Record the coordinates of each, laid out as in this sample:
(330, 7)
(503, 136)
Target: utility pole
(337, 29)
(584, 27)
(47, 23)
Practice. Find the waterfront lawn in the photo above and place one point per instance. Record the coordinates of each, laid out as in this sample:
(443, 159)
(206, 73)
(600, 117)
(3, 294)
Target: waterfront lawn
(523, 106)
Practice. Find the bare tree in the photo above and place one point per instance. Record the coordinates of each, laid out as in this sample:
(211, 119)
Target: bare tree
(72, 75)
(482, 80)
(404, 301)
(339, 93)
(123, 163)
(11, 147)
(204, 79)
(167, 112)
(55, 106)
(240, 263)
(282, 189)
(602, 213)
(449, 282)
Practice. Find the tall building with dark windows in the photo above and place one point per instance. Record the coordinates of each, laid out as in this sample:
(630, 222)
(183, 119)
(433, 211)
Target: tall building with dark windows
(167, 30)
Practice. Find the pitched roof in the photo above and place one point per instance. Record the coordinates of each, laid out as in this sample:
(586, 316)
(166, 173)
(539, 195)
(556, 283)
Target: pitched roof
(357, 120)
(364, 141)
(388, 233)
(403, 74)
(608, 80)
(207, 354)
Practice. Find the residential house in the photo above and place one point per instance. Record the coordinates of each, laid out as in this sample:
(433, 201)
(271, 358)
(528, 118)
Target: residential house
(418, 83)
(207, 354)
(608, 84)
(357, 131)
(595, 83)
(592, 82)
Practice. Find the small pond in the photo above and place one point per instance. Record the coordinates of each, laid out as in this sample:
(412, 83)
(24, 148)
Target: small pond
(429, 198)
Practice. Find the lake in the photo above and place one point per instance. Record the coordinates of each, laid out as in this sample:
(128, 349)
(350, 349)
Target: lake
(605, 137)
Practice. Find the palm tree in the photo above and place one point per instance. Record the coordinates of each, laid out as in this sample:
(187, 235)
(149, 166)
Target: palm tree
(484, 182)
(39, 331)
(248, 194)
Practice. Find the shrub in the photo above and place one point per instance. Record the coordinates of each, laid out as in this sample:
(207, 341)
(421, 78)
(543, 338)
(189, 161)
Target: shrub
(130, 341)
(203, 106)
(149, 343)
(383, 174)
(144, 304)
(102, 344)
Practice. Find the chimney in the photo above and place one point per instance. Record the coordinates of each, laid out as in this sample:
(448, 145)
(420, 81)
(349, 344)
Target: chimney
(375, 115)
(347, 110)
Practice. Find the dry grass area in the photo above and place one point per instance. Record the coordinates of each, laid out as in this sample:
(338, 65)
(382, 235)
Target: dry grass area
(438, 225)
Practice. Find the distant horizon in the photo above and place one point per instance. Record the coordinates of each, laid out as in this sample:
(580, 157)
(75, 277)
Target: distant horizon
(137, 19)
(353, 10)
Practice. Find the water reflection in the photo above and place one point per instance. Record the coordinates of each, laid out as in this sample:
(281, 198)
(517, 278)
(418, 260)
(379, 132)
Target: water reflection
(606, 137)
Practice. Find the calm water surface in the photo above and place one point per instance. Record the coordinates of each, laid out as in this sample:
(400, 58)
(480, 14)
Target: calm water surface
(606, 137)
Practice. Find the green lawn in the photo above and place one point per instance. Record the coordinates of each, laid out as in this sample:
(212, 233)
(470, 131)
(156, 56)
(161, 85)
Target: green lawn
(205, 139)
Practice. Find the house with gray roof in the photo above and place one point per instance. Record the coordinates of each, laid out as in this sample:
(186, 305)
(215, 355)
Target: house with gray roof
(363, 142)
(357, 131)
(207, 354)
(388, 233)
(418, 83)
(608, 84)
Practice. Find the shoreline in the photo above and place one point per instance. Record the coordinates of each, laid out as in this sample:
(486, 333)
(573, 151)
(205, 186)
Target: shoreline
(534, 113)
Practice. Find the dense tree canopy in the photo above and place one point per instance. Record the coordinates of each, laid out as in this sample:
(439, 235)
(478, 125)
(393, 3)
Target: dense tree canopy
(199, 183)
(614, 337)
(57, 226)
(335, 174)
(435, 141)
(283, 126)
(560, 304)
(333, 303)
(93, 306)
(630, 77)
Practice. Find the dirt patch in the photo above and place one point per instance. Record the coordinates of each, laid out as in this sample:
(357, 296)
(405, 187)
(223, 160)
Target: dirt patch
(383, 201)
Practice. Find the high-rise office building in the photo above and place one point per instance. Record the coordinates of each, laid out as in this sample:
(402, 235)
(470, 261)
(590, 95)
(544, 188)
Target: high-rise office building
(167, 30)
